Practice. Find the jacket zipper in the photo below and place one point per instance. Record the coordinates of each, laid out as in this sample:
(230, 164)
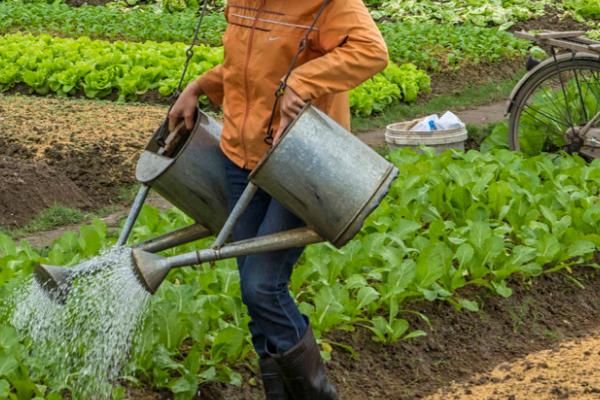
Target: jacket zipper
(246, 88)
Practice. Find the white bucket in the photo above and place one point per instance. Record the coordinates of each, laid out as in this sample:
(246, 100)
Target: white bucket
(399, 135)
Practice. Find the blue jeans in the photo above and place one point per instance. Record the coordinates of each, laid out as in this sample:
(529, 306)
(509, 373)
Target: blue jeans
(276, 321)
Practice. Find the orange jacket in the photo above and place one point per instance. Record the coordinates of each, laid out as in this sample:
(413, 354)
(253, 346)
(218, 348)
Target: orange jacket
(345, 49)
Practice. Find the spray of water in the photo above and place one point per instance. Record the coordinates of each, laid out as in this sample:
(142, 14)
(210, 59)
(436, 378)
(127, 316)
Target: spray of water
(83, 344)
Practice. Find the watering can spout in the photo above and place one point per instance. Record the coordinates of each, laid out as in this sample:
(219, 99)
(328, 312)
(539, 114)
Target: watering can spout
(150, 269)
(54, 281)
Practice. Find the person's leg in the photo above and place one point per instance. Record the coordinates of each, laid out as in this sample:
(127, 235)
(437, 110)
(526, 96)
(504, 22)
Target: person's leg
(288, 339)
(264, 281)
(290, 361)
(249, 223)
(247, 227)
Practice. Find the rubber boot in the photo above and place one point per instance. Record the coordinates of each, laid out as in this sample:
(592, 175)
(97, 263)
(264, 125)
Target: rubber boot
(272, 380)
(303, 371)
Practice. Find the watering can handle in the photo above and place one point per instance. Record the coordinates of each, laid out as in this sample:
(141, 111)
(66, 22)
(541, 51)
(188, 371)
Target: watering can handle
(172, 139)
(165, 146)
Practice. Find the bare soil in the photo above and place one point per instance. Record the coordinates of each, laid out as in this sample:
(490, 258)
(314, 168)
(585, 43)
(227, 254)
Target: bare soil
(567, 371)
(78, 3)
(551, 21)
(95, 144)
(27, 187)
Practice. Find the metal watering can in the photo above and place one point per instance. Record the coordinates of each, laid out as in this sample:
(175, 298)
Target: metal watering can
(318, 170)
(187, 169)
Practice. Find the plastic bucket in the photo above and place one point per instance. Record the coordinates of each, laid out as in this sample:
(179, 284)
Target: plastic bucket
(399, 135)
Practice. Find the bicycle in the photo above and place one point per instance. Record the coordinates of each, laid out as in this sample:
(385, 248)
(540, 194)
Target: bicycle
(556, 105)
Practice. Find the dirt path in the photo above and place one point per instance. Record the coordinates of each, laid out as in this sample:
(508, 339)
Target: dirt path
(45, 238)
(484, 115)
(570, 370)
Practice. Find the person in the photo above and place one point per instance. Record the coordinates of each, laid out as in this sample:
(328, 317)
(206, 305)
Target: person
(344, 49)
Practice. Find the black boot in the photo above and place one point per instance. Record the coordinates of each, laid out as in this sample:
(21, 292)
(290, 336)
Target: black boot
(272, 380)
(303, 371)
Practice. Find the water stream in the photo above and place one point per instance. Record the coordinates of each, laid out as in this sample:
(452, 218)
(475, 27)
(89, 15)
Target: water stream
(83, 344)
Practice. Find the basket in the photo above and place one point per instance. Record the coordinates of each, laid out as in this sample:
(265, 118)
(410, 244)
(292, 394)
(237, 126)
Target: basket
(399, 135)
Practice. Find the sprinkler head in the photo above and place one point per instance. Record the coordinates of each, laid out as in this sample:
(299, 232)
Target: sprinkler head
(150, 269)
(54, 281)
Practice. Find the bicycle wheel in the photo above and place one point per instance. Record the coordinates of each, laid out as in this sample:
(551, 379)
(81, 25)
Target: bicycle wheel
(554, 104)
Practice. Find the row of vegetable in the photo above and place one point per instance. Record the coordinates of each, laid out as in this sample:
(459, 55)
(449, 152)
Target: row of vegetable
(502, 13)
(449, 222)
(109, 23)
(85, 67)
(99, 69)
(440, 47)
(483, 13)
(586, 12)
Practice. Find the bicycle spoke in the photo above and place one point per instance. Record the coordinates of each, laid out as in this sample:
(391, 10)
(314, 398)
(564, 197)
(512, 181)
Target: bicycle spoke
(565, 95)
(595, 85)
(556, 107)
(548, 116)
(585, 114)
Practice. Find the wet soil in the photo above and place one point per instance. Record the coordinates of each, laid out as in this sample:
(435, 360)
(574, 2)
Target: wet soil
(468, 348)
(551, 21)
(28, 187)
(78, 3)
(449, 83)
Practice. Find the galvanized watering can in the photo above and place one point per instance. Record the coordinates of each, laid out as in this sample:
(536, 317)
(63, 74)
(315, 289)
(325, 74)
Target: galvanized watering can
(318, 170)
(187, 169)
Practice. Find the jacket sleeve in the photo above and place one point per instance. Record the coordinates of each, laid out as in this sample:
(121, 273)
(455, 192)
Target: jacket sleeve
(211, 84)
(354, 52)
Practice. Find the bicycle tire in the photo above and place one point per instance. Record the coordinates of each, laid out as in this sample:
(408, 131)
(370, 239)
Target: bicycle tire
(579, 61)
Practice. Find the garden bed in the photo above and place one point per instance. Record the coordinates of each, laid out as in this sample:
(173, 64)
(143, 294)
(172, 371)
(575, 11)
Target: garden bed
(28, 187)
(94, 144)
(498, 233)
(551, 20)
(540, 314)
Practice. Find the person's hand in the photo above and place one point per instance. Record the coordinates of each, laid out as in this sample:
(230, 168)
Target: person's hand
(291, 106)
(185, 107)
